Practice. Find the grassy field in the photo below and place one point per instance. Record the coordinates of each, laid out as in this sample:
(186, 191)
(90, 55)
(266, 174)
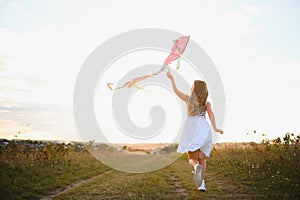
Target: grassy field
(268, 170)
(30, 173)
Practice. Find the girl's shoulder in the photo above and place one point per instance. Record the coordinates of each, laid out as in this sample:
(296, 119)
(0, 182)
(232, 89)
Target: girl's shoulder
(207, 103)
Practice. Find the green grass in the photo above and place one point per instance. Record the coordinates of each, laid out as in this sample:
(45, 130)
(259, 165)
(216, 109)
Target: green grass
(272, 170)
(269, 170)
(161, 185)
(25, 177)
(119, 185)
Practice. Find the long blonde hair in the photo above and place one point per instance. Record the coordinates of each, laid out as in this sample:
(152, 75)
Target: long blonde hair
(198, 97)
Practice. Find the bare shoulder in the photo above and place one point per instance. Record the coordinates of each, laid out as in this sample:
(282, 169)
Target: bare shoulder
(208, 106)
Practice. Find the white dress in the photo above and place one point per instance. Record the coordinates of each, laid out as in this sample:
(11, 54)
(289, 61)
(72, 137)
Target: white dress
(196, 134)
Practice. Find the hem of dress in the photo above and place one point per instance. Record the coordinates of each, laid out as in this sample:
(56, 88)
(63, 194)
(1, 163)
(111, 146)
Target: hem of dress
(186, 151)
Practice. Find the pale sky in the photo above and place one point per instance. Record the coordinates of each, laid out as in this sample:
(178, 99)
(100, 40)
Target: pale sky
(253, 44)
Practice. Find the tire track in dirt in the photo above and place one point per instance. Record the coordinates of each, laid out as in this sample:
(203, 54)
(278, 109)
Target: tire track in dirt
(72, 186)
(180, 190)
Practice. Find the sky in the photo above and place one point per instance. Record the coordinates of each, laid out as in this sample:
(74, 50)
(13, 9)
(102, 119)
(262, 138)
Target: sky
(253, 44)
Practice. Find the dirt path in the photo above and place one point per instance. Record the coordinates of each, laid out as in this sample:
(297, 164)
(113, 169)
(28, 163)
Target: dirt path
(68, 188)
(172, 182)
(218, 185)
(180, 190)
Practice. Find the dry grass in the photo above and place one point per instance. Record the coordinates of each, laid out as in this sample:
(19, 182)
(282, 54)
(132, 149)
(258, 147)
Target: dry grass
(267, 170)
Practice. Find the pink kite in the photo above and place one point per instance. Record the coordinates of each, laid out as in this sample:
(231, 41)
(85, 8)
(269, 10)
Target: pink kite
(177, 49)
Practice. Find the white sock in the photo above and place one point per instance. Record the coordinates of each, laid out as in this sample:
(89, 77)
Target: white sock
(195, 167)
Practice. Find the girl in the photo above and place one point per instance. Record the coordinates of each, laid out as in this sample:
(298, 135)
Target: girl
(196, 137)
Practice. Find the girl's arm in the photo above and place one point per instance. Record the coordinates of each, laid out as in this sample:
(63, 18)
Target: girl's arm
(212, 117)
(181, 95)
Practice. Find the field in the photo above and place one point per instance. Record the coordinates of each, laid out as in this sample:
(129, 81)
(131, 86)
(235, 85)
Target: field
(36, 170)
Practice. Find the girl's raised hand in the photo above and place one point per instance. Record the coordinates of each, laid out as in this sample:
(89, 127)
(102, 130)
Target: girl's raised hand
(169, 75)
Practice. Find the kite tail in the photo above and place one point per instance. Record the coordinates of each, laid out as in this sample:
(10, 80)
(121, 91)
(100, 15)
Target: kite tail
(138, 87)
(176, 51)
(178, 61)
(164, 67)
(109, 86)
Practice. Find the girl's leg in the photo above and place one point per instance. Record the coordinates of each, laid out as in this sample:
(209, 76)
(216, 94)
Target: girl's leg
(202, 161)
(193, 158)
(201, 155)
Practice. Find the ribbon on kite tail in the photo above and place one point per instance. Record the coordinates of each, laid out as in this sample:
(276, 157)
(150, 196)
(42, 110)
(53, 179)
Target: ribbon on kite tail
(176, 52)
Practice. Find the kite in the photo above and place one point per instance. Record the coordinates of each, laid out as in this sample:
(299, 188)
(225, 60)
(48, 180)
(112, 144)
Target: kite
(176, 52)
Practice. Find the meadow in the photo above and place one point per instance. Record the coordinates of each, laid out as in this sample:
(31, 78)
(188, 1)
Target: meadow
(266, 170)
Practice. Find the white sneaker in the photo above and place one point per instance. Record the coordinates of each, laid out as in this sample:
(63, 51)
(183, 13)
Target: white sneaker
(197, 175)
(193, 171)
(202, 187)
